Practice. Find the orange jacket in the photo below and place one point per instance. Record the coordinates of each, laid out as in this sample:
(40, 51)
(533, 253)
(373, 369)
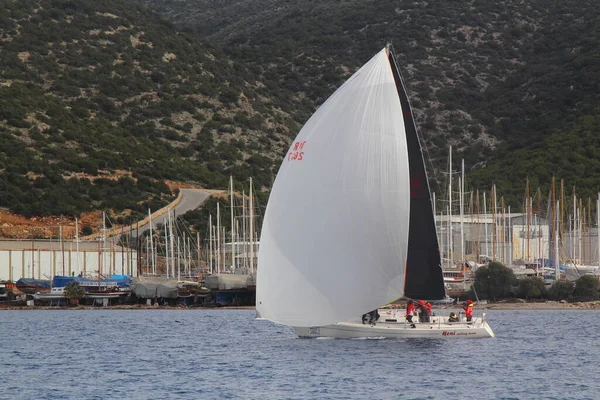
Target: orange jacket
(468, 310)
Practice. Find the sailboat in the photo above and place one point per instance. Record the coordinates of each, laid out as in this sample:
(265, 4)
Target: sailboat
(349, 224)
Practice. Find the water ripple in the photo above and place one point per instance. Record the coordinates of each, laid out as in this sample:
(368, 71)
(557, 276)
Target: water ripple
(226, 354)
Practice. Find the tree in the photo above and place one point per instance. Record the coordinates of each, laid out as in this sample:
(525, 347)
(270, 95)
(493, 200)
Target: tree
(531, 288)
(494, 281)
(74, 292)
(587, 288)
(560, 290)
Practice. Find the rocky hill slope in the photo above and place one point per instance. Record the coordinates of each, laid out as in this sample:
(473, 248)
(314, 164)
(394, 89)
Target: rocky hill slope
(487, 77)
(100, 102)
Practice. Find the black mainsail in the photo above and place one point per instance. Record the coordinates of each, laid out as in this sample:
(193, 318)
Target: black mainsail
(424, 278)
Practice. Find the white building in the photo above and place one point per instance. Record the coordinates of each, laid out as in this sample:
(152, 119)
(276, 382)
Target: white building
(43, 259)
(510, 237)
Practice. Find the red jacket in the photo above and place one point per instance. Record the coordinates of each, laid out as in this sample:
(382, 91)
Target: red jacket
(410, 309)
(468, 310)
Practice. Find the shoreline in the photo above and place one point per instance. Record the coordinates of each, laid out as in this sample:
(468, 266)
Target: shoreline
(549, 305)
(120, 307)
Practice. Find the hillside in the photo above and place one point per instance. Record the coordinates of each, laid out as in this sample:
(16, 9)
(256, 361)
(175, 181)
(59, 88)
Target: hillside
(487, 77)
(101, 102)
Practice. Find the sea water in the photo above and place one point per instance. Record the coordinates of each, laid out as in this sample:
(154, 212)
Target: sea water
(227, 354)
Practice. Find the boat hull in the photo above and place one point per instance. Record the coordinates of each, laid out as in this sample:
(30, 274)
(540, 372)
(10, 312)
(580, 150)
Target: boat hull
(437, 328)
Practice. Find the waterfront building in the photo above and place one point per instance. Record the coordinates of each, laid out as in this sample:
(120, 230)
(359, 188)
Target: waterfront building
(43, 259)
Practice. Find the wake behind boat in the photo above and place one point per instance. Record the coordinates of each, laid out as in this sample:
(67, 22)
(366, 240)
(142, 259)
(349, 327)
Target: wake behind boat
(349, 225)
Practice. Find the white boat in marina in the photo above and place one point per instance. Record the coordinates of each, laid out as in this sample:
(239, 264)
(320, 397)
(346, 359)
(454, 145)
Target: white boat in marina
(55, 293)
(349, 224)
(574, 272)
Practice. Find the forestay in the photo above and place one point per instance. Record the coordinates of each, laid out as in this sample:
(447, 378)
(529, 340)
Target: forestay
(334, 239)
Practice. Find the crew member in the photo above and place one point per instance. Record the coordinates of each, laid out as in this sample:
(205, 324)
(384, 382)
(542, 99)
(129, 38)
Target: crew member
(453, 317)
(410, 312)
(468, 307)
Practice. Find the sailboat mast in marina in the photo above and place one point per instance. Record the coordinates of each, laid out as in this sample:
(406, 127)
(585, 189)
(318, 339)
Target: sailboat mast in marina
(349, 225)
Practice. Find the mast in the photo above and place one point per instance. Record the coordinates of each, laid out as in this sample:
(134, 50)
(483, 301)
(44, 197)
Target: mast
(461, 203)
(172, 242)
(562, 209)
(167, 255)
(450, 238)
(244, 240)
(471, 230)
(553, 215)
(538, 226)
(210, 244)
(556, 251)
(589, 232)
(574, 227)
(493, 207)
(232, 224)
(218, 239)
(251, 206)
(62, 248)
(147, 255)
(527, 217)
(152, 244)
(485, 226)
(478, 251)
(33, 259)
(189, 257)
(510, 235)
(503, 231)
(580, 227)
(178, 259)
(77, 243)
(200, 269)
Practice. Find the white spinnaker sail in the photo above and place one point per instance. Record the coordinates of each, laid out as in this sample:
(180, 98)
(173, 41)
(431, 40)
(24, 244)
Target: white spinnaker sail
(334, 238)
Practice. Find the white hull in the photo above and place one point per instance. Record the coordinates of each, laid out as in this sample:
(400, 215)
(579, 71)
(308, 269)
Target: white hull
(53, 294)
(100, 296)
(47, 297)
(437, 328)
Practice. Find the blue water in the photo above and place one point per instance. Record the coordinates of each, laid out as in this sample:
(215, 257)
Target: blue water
(226, 354)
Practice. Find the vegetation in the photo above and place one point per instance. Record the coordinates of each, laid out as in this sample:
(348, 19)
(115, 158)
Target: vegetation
(531, 288)
(73, 291)
(560, 290)
(101, 102)
(586, 288)
(510, 84)
(494, 281)
(569, 155)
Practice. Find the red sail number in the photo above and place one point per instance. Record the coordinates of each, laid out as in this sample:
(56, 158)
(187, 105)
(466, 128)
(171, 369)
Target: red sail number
(296, 154)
